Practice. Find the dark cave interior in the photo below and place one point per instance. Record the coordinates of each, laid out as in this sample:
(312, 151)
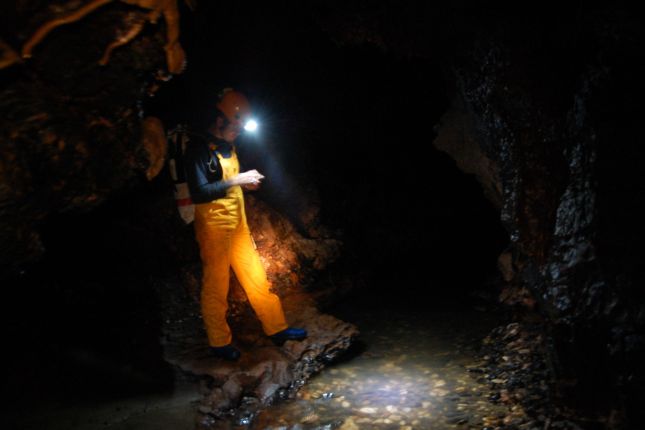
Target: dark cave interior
(357, 124)
(351, 99)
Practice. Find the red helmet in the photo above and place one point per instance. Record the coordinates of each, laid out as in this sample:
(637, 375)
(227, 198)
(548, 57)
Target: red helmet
(235, 106)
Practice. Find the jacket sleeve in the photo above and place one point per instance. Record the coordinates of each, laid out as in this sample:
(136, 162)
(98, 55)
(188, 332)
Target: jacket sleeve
(196, 164)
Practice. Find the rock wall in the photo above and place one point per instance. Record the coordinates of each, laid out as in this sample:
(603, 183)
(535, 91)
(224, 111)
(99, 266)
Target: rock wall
(70, 128)
(73, 135)
(545, 113)
(547, 109)
(545, 120)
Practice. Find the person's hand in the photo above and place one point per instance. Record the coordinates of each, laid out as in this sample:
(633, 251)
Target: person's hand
(251, 187)
(249, 178)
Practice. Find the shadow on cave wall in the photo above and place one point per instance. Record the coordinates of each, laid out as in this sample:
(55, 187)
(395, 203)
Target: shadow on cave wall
(85, 318)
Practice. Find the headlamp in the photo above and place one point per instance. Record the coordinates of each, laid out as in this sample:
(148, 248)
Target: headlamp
(251, 125)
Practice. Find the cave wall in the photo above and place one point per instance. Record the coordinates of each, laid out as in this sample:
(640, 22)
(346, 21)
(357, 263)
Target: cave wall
(71, 130)
(545, 112)
(554, 112)
(77, 157)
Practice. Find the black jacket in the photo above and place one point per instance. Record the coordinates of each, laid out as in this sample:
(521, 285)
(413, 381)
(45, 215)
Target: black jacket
(203, 169)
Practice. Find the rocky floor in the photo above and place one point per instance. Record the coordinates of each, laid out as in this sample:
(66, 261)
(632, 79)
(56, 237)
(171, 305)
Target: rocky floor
(407, 371)
(450, 368)
(412, 370)
(442, 368)
(265, 373)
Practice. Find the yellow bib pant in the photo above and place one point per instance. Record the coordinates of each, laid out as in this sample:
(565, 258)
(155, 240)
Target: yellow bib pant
(224, 241)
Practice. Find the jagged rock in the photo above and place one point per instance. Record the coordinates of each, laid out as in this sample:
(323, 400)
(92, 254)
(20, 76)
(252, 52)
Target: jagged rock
(547, 114)
(70, 129)
(8, 56)
(154, 142)
(505, 265)
(546, 148)
(457, 136)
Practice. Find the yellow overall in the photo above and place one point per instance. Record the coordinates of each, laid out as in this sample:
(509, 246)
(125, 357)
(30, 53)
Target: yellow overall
(224, 241)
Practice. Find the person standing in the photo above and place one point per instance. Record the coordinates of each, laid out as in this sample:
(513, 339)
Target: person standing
(216, 187)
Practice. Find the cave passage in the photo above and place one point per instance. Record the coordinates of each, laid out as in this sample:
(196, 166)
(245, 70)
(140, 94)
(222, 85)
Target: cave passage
(451, 209)
(420, 248)
(409, 369)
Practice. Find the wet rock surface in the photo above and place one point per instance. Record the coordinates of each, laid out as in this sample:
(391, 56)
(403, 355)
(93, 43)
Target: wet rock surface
(553, 187)
(546, 107)
(265, 372)
(514, 363)
(416, 370)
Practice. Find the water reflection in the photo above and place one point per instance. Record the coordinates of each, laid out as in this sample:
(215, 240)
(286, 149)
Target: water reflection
(412, 372)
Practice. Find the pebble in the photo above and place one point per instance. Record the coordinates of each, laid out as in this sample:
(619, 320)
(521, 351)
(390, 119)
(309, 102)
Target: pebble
(410, 389)
(368, 410)
(349, 424)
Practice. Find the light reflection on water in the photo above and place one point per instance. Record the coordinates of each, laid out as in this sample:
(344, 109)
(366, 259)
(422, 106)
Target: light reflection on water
(411, 373)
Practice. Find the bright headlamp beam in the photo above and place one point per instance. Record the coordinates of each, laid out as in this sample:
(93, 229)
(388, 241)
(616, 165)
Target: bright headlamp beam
(251, 125)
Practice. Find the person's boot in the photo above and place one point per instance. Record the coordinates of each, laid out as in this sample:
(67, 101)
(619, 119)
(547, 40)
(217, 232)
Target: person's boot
(227, 352)
(290, 333)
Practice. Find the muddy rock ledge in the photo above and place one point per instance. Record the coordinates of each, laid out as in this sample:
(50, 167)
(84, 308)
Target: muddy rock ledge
(265, 372)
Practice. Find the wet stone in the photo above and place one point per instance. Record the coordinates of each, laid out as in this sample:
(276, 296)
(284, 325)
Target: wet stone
(429, 381)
